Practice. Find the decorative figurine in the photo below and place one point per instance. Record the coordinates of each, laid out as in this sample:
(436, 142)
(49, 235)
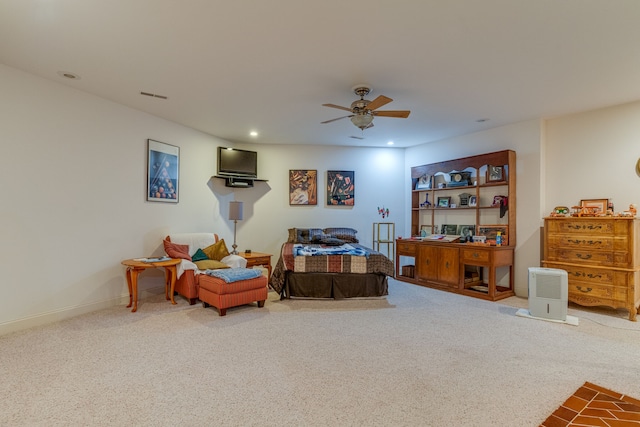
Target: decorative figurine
(426, 202)
(559, 211)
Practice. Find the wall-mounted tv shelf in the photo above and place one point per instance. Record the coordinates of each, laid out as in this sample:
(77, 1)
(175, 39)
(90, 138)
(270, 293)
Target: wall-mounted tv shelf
(239, 182)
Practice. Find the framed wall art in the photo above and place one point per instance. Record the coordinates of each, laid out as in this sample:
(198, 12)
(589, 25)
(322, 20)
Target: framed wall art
(163, 172)
(303, 187)
(340, 188)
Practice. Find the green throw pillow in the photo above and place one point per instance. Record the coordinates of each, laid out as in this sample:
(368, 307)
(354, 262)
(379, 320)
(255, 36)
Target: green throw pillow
(199, 256)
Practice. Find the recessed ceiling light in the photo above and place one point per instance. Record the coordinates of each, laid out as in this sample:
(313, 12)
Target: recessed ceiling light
(253, 133)
(68, 75)
(390, 143)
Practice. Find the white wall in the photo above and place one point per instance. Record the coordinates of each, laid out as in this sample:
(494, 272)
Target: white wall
(378, 183)
(525, 139)
(592, 155)
(73, 175)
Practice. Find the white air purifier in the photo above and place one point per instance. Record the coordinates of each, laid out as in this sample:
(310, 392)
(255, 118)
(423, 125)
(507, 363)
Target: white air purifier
(548, 293)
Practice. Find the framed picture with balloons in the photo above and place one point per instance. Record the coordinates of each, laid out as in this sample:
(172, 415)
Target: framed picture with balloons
(163, 172)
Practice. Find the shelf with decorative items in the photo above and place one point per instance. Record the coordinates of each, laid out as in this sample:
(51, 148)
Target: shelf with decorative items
(463, 217)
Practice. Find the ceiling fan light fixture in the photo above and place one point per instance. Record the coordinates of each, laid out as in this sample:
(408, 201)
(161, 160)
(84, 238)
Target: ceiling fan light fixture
(362, 120)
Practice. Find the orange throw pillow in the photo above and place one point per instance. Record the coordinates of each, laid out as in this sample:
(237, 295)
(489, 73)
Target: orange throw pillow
(175, 250)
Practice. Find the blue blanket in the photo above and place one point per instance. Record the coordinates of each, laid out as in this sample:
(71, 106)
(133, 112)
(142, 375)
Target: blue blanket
(315, 250)
(230, 275)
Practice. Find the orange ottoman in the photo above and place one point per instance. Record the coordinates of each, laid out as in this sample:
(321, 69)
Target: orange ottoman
(222, 295)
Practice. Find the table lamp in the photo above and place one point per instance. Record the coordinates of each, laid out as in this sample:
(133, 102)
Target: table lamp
(235, 214)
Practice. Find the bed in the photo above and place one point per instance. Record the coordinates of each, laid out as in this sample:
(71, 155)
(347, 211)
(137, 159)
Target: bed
(329, 263)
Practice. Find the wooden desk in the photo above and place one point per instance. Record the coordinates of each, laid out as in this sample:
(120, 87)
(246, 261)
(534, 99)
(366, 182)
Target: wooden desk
(257, 258)
(135, 267)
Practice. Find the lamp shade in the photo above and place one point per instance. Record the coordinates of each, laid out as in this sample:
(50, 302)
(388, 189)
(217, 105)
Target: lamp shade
(362, 120)
(235, 211)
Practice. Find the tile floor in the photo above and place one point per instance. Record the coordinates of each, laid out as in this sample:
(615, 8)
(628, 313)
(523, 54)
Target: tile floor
(592, 405)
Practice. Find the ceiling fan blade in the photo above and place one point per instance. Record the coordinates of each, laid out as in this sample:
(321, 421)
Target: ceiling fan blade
(378, 102)
(333, 120)
(401, 114)
(337, 106)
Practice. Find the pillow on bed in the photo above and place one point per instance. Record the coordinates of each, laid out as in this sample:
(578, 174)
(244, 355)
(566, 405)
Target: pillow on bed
(293, 235)
(332, 241)
(210, 264)
(217, 251)
(175, 250)
(346, 234)
(307, 235)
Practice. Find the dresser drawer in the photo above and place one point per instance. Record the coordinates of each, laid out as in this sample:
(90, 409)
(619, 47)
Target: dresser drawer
(593, 227)
(583, 243)
(472, 256)
(580, 290)
(603, 258)
(405, 248)
(585, 274)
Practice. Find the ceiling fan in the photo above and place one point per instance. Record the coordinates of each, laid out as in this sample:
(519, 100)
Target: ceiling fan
(363, 111)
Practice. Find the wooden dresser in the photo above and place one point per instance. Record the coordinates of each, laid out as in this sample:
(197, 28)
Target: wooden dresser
(600, 256)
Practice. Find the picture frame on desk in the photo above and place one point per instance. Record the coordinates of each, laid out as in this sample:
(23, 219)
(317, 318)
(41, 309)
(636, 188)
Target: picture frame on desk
(491, 231)
(601, 204)
(450, 229)
(424, 183)
(495, 173)
(466, 232)
(444, 202)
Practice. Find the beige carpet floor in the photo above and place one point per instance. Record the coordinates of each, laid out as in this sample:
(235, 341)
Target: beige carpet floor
(419, 357)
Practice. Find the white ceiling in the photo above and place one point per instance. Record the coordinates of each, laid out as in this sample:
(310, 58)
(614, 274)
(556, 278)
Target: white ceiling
(229, 67)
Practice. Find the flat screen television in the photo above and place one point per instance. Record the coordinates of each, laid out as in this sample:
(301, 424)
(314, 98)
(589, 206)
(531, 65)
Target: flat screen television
(234, 162)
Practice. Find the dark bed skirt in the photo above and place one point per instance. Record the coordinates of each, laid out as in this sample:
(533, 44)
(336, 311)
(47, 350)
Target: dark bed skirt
(334, 285)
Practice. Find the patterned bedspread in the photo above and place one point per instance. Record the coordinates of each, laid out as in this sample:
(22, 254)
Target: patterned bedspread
(375, 262)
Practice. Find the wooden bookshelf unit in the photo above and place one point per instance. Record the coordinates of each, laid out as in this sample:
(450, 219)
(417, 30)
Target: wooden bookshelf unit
(476, 196)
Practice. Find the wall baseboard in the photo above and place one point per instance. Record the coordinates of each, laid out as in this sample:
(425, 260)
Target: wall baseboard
(72, 311)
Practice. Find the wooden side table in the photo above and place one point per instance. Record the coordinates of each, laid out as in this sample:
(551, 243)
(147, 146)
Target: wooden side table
(257, 258)
(135, 267)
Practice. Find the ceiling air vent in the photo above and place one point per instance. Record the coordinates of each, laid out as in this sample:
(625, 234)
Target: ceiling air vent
(153, 95)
